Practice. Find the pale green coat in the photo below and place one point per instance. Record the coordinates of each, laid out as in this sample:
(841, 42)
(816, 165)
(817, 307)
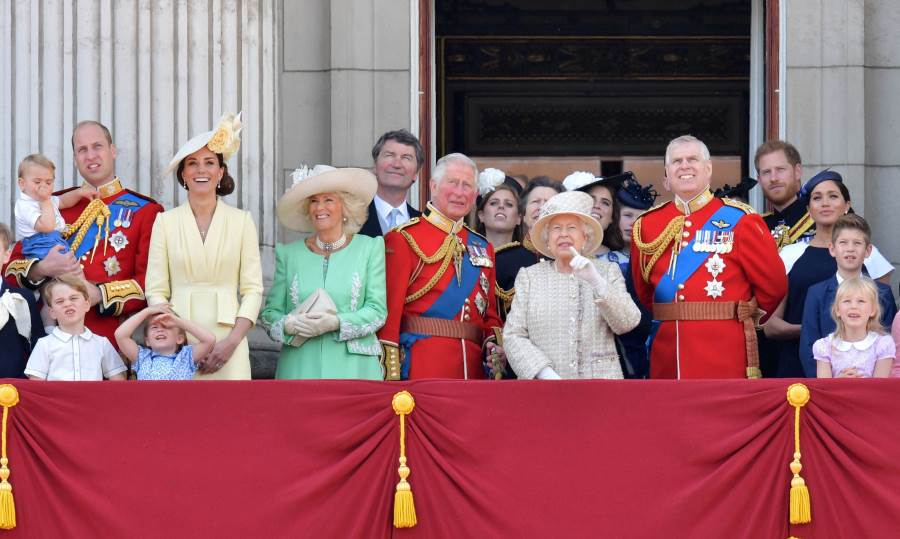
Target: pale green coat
(355, 281)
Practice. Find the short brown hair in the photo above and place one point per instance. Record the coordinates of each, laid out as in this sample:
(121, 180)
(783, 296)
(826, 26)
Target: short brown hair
(84, 123)
(6, 236)
(772, 146)
(851, 221)
(35, 159)
(72, 281)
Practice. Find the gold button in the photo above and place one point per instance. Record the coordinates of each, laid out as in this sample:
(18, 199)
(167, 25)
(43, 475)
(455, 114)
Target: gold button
(688, 223)
(686, 234)
(84, 257)
(684, 244)
(466, 317)
(681, 297)
(680, 286)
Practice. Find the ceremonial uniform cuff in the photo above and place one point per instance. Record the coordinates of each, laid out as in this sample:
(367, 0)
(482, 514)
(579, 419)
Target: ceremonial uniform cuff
(390, 360)
(114, 294)
(19, 269)
(495, 336)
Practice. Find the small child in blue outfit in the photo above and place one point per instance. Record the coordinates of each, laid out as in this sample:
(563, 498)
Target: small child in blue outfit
(166, 356)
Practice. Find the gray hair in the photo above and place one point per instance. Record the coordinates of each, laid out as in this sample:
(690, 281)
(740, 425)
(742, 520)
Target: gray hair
(401, 136)
(437, 174)
(687, 139)
(356, 211)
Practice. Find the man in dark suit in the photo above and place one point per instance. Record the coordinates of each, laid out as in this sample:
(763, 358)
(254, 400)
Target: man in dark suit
(398, 157)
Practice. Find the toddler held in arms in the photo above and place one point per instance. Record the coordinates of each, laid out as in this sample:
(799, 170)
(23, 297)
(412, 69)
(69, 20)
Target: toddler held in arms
(39, 225)
(71, 351)
(167, 355)
(858, 348)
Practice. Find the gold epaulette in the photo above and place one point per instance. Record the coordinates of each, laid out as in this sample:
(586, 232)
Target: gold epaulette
(409, 223)
(114, 294)
(19, 269)
(390, 360)
(747, 208)
(506, 246)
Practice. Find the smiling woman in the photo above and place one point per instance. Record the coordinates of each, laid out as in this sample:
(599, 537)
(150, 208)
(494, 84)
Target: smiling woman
(203, 251)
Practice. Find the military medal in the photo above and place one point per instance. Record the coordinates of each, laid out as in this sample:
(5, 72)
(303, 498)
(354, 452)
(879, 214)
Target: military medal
(118, 222)
(714, 288)
(127, 222)
(111, 265)
(118, 240)
(715, 265)
(480, 303)
(483, 281)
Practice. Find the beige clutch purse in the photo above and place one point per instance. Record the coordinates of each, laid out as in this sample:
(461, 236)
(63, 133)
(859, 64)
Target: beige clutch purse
(317, 302)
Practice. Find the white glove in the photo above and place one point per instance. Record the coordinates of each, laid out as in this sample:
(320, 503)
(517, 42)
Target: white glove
(586, 271)
(322, 323)
(296, 324)
(547, 373)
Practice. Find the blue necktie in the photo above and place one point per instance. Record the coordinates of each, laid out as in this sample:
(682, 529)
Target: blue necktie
(393, 217)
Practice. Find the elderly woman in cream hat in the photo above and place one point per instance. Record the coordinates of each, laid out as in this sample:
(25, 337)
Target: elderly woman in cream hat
(328, 297)
(567, 309)
(205, 253)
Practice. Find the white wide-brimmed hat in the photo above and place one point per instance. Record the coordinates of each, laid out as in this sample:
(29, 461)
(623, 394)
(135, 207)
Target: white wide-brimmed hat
(224, 139)
(575, 203)
(356, 182)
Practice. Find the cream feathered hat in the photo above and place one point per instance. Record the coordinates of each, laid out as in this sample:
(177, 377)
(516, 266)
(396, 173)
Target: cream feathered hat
(356, 182)
(224, 139)
(575, 203)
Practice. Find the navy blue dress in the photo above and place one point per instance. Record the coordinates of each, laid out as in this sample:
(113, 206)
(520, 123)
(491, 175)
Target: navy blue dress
(15, 348)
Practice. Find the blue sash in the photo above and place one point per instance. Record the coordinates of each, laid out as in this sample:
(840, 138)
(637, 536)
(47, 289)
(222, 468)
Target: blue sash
(689, 260)
(124, 202)
(448, 304)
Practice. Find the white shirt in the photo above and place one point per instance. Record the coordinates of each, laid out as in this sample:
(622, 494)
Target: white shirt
(876, 264)
(28, 211)
(61, 356)
(383, 209)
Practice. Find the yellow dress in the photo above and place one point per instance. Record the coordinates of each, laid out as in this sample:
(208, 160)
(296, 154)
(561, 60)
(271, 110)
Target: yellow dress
(202, 280)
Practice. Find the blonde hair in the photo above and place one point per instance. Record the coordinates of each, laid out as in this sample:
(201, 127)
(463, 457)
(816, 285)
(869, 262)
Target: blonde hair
(74, 282)
(355, 210)
(35, 159)
(862, 285)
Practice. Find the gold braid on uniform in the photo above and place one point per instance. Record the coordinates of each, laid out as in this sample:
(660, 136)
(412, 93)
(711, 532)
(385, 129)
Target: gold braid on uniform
(95, 212)
(654, 249)
(506, 296)
(447, 251)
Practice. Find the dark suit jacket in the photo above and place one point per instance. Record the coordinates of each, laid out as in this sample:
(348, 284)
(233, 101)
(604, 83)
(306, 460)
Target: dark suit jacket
(371, 226)
(817, 321)
(14, 349)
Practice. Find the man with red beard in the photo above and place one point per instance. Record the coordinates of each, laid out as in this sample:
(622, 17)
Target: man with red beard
(703, 266)
(779, 171)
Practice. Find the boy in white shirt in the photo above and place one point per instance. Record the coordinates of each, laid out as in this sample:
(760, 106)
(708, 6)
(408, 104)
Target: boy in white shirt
(39, 225)
(71, 351)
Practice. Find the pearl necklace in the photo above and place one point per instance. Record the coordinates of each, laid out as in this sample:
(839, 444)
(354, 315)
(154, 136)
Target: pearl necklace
(332, 245)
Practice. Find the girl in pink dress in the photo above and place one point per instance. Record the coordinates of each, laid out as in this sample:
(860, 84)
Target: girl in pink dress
(859, 347)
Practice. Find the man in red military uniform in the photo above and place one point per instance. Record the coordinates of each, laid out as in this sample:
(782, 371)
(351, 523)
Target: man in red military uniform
(704, 266)
(442, 314)
(109, 237)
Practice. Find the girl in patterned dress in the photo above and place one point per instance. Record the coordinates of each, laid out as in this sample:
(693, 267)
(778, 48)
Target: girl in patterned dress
(859, 347)
(167, 356)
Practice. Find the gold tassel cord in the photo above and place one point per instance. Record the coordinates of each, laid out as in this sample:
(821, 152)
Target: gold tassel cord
(404, 508)
(97, 213)
(798, 396)
(9, 397)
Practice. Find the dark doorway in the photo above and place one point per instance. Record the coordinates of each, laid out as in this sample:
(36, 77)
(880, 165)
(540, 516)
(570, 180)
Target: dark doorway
(608, 81)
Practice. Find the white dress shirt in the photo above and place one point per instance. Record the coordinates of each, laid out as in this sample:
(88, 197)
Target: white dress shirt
(61, 356)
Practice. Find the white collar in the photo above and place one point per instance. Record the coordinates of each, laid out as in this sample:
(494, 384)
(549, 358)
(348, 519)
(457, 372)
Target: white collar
(66, 337)
(24, 196)
(384, 208)
(863, 345)
(841, 279)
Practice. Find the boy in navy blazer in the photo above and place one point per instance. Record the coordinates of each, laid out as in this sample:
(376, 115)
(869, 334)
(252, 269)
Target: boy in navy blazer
(850, 245)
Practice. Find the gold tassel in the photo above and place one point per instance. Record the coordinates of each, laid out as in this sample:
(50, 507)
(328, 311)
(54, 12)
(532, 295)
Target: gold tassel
(797, 396)
(404, 508)
(9, 397)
